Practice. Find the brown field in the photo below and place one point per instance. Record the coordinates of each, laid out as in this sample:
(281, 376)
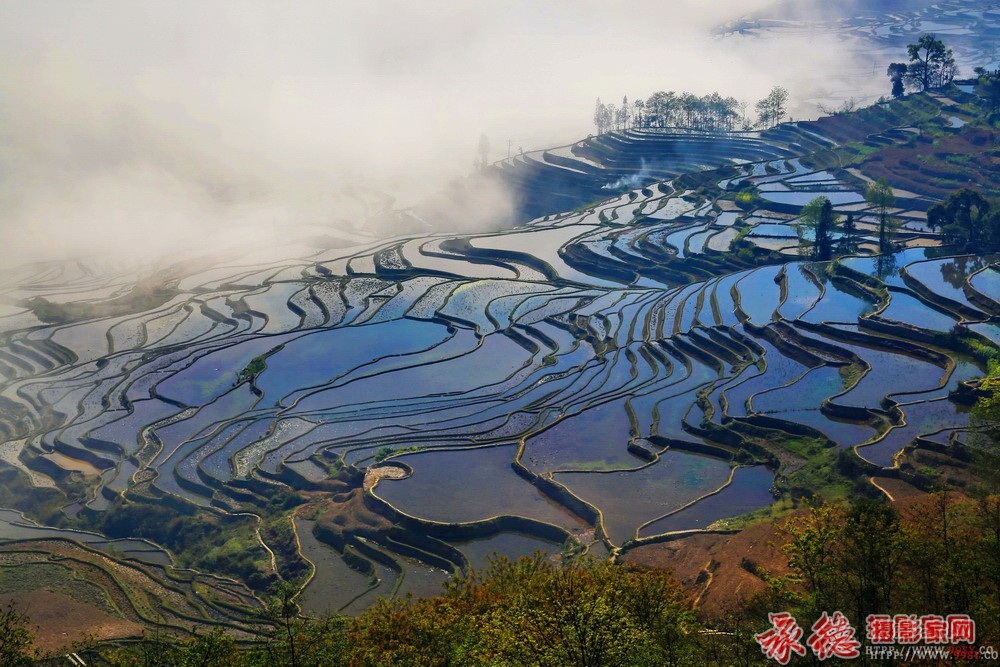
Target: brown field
(968, 159)
(60, 621)
(712, 564)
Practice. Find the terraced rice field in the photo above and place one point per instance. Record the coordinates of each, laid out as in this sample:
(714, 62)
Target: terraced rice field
(638, 368)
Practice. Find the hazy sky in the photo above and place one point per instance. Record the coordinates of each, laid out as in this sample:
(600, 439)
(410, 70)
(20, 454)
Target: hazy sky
(146, 123)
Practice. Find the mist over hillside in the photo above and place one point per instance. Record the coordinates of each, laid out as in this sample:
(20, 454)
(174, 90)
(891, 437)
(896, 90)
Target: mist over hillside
(135, 128)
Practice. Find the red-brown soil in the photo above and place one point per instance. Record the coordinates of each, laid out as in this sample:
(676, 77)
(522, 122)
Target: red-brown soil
(720, 568)
(712, 564)
(58, 621)
(968, 159)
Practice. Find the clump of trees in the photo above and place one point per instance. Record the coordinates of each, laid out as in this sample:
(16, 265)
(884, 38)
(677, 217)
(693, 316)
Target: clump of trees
(968, 219)
(611, 117)
(937, 557)
(818, 215)
(931, 65)
(707, 113)
(986, 412)
(771, 109)
(988, 91)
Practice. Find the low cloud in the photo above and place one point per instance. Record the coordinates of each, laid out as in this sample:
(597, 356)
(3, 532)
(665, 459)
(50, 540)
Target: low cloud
(142, 128)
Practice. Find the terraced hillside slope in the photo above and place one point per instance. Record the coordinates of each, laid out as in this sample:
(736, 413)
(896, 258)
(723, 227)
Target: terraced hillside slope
(364, 421)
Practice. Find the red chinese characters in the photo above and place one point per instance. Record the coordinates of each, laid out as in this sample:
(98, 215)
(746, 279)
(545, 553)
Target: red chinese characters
(779, 642)
(961, 629)
(879, 629)
(908, 629)
(935, 629)
(833, 636)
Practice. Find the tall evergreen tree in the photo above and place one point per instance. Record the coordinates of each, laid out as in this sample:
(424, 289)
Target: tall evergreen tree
(880, 195)
(484, 150)
(818, 216)
(896, 73)
(850, 230)
(599, 112)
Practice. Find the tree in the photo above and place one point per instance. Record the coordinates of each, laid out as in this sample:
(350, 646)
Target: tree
(850, 231)
(746, 124)
(988, 89)
(812, 544)
(15, 638)
(610, 116)
(601, 117)
(932, 64)
(688, 108)
(771, 109)
(896, 74)
(282, 612)
(638, 109)
(873, 547)
(624, 114)
(484, 151)
(818, 216)
(880, 195)
(986, 412)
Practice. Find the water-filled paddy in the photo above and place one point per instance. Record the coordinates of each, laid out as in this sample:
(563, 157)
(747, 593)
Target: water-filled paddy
(910, 310)
(334, 583)
(495, 359)
(512, 545)
(470, 485)
(945, 277)
(920, 418)
(759, 294)
(597, 438)
(987, 282)
(628, 499)
(749, 490)
(803, 198)
(802, 291)
(838, 305)
(889, 373)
